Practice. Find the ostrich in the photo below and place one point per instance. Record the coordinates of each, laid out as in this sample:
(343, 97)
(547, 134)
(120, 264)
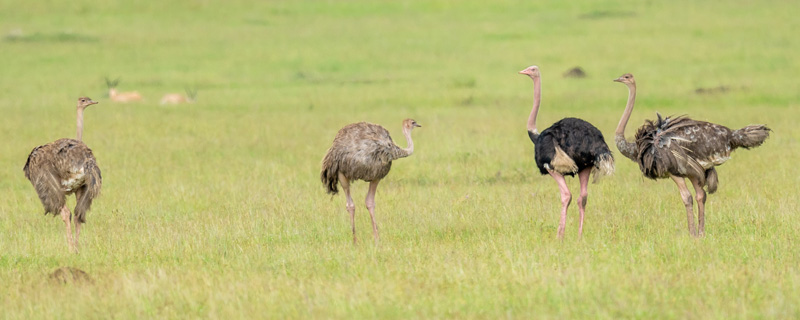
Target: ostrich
(568, 147)
(680, 148)
(363, 151)
(121, 96)
(64, 167)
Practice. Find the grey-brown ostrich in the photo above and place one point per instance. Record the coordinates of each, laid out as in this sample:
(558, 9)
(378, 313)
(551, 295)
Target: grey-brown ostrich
(64, 167)
(680, 148)
(363, 151)
(567, 147)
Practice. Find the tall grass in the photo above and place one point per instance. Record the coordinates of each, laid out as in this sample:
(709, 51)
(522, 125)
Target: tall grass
(215, 209)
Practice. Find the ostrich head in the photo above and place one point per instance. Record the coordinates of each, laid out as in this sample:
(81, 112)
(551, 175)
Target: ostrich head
(84, 102)
(409, 124)
(532, 71)
(627, 79)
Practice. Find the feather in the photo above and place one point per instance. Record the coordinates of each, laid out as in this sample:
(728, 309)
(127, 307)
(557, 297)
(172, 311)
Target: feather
(61, 168)
(362, 151)
(683, 147)
(570, 146)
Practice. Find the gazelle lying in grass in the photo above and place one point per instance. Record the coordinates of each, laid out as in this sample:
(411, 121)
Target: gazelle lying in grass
(177, 98)
(121, 96)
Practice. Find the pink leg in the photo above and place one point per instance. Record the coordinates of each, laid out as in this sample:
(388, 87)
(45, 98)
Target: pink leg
(370, 202)
(686, 196)
(351, 206)
(700, 196)
(66, 216)
(583, 176)
(566, 197)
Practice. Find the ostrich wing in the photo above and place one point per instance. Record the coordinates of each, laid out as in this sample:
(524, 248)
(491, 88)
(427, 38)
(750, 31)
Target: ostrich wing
(681, 146)
(43, 175)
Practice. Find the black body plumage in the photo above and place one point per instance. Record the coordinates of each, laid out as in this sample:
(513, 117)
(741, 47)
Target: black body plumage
(580, 140)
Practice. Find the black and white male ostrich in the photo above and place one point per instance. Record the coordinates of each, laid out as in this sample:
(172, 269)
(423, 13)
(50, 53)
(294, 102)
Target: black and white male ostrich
(681, 148)
(363, 151)
(64, 167)
(568, 147)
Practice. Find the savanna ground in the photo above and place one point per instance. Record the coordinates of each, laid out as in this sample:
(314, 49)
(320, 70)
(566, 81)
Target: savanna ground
(215, 209)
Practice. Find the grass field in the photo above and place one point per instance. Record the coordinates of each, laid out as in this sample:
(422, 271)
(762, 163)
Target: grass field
(215, 209)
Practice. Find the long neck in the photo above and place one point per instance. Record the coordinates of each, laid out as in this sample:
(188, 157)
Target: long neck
(410, 149)
(628, 149)
(533, 133)
(397, 152)
(80, 124)
(628, 110)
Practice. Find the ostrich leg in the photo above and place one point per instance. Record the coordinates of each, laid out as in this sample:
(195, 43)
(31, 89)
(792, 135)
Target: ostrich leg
(370, 202)
(686, 196)
(66, 215)
(566, 197)
(583, 176)
(351, 206)
(77, 234)
(78, 195)
(700, 196)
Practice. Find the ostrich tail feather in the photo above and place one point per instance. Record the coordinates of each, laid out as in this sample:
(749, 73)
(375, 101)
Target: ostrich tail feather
(750, 136)
(330, 174)
(603, 166)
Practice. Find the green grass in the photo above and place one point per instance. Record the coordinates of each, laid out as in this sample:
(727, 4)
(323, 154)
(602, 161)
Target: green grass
(214, 210)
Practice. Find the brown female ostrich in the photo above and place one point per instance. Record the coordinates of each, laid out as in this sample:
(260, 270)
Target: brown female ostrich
(363, 151)
(64, 167)
(569, 146)
(681, 148)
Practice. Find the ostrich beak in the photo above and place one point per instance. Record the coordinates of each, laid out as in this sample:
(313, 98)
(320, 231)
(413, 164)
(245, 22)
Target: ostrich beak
(525, 72)
(417, 125)
(93, 102)
(618, 79)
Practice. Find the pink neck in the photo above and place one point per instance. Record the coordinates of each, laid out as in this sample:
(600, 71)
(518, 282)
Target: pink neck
(537, 98)
(628, 110)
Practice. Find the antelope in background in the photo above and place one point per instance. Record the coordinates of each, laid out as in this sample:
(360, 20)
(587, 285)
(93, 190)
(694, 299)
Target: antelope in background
(121, 96)
(177, 98)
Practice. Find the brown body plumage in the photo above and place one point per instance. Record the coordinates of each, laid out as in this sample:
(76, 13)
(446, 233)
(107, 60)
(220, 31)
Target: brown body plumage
(689, 148)
(64, 167)
(362, 151)
(61, 168)
(681, 147)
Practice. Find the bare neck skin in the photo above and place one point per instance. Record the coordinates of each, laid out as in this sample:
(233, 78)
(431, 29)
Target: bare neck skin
(537, 98)
(410, 149)
(80, 124)
(628, 110)
(628, 149)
